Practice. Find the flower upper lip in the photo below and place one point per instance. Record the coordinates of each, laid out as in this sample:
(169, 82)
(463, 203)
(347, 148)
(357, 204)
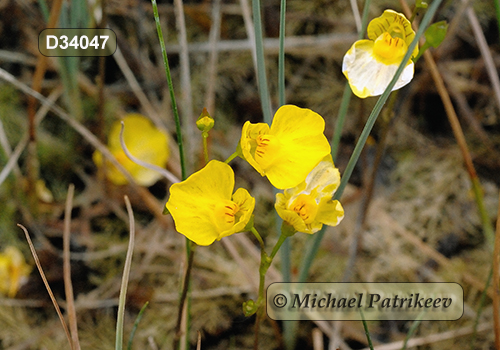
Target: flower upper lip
(370, 65)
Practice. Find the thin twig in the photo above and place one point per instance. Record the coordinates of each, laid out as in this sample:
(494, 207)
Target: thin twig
(303, 45)
(68, 285)
(4, 141)
(47, 286)
(198, 345)
(485, 52)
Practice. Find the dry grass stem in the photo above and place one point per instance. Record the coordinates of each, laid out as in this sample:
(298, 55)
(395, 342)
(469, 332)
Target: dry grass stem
(302, 46)
(125, 277)
(137, 90)
(355, 12)
(68, 285)
(214, 38)
(47, 286)
(317, 339)
(250, 42)
(485, 52)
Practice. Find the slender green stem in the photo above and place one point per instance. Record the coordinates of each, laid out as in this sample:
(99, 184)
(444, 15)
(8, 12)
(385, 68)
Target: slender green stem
(413, 328)
(232, 156)
(277, 246)
(184, 294)
(136, 325)
(259, 238)
(261, 65)
(205, 146)
(365, 327)
(189, 252)
(485, 219)
(339, 124)
(265, 262)
(482, 303)
(421, 51)
(171, 90)
(286, 248)
(316, 239)
(497, 11)
(364, 19)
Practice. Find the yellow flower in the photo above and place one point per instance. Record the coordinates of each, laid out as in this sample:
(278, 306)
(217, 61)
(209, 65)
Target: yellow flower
(309, 205)
(369, 65)
(13, 270)
(203, 208)
(144, 141)
(290, 149)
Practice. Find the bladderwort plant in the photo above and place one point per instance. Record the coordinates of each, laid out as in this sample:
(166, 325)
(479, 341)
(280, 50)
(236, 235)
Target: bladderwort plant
(292, 152)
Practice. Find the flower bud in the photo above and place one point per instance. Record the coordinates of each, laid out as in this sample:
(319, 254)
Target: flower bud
(205, 122)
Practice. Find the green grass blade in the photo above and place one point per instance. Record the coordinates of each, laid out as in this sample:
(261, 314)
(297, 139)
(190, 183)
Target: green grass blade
(346, 97)
(281, 55)
(261, 65)
(136, 325)
(171, 90)
(365, 327)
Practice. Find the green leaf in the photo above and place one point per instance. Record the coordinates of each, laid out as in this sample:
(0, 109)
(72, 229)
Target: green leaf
(434, 35)
(419, 4)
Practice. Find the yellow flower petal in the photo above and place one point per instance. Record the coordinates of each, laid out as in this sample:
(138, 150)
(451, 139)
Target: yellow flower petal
(249, 135)
(290, 149)
(330, 212)
(245, 204)
(396, 25)
(13, 270)
(144, 141)
(308, 206)
(370, 65)
(323, 178)
(202, 207)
